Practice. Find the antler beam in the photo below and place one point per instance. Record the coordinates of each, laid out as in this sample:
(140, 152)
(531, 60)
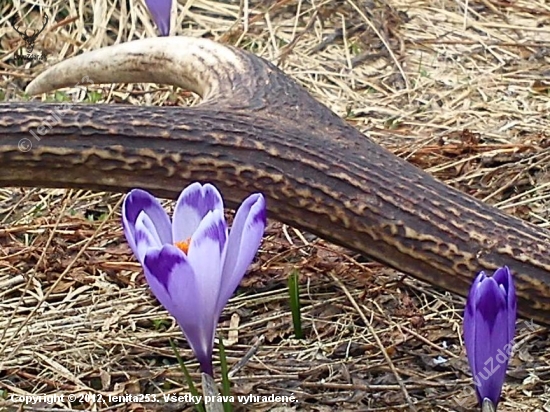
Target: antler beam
(257, 130)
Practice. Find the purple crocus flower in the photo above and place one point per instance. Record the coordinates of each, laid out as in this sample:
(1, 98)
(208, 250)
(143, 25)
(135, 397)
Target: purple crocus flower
(160, 11)
(193, 264)
(489, 327)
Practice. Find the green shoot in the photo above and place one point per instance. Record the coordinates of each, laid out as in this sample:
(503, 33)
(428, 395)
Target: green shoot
(294, 292)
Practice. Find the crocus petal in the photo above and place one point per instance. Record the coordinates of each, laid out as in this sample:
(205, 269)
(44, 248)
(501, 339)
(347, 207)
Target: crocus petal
(160, 11)
(146, 236)
(176, 286)
(469, 322)
(136, 202)
(503, 277)
(192, 206)
(205, 256)
(170, 278)
(244, 240)
(512, 312)
(492, 338)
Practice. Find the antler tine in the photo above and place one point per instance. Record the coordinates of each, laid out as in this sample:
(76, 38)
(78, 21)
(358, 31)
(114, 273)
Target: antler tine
(17, 29)
(45, 21)
(207, 68)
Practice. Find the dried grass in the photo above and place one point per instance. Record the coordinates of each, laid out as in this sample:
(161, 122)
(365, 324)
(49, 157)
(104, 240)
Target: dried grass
(457, 88)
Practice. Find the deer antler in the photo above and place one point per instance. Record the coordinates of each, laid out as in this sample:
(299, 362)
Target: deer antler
(257, 130)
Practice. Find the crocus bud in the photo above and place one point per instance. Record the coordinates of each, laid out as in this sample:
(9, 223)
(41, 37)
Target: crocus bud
(489, 326)
(160, 12)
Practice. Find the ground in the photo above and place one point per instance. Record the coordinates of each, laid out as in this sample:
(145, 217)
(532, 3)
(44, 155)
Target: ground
(457, 88)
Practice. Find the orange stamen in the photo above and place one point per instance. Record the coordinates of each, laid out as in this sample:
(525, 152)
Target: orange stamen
(184, 245)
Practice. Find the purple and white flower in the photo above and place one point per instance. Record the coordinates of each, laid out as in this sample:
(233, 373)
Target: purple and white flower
(193, 264)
